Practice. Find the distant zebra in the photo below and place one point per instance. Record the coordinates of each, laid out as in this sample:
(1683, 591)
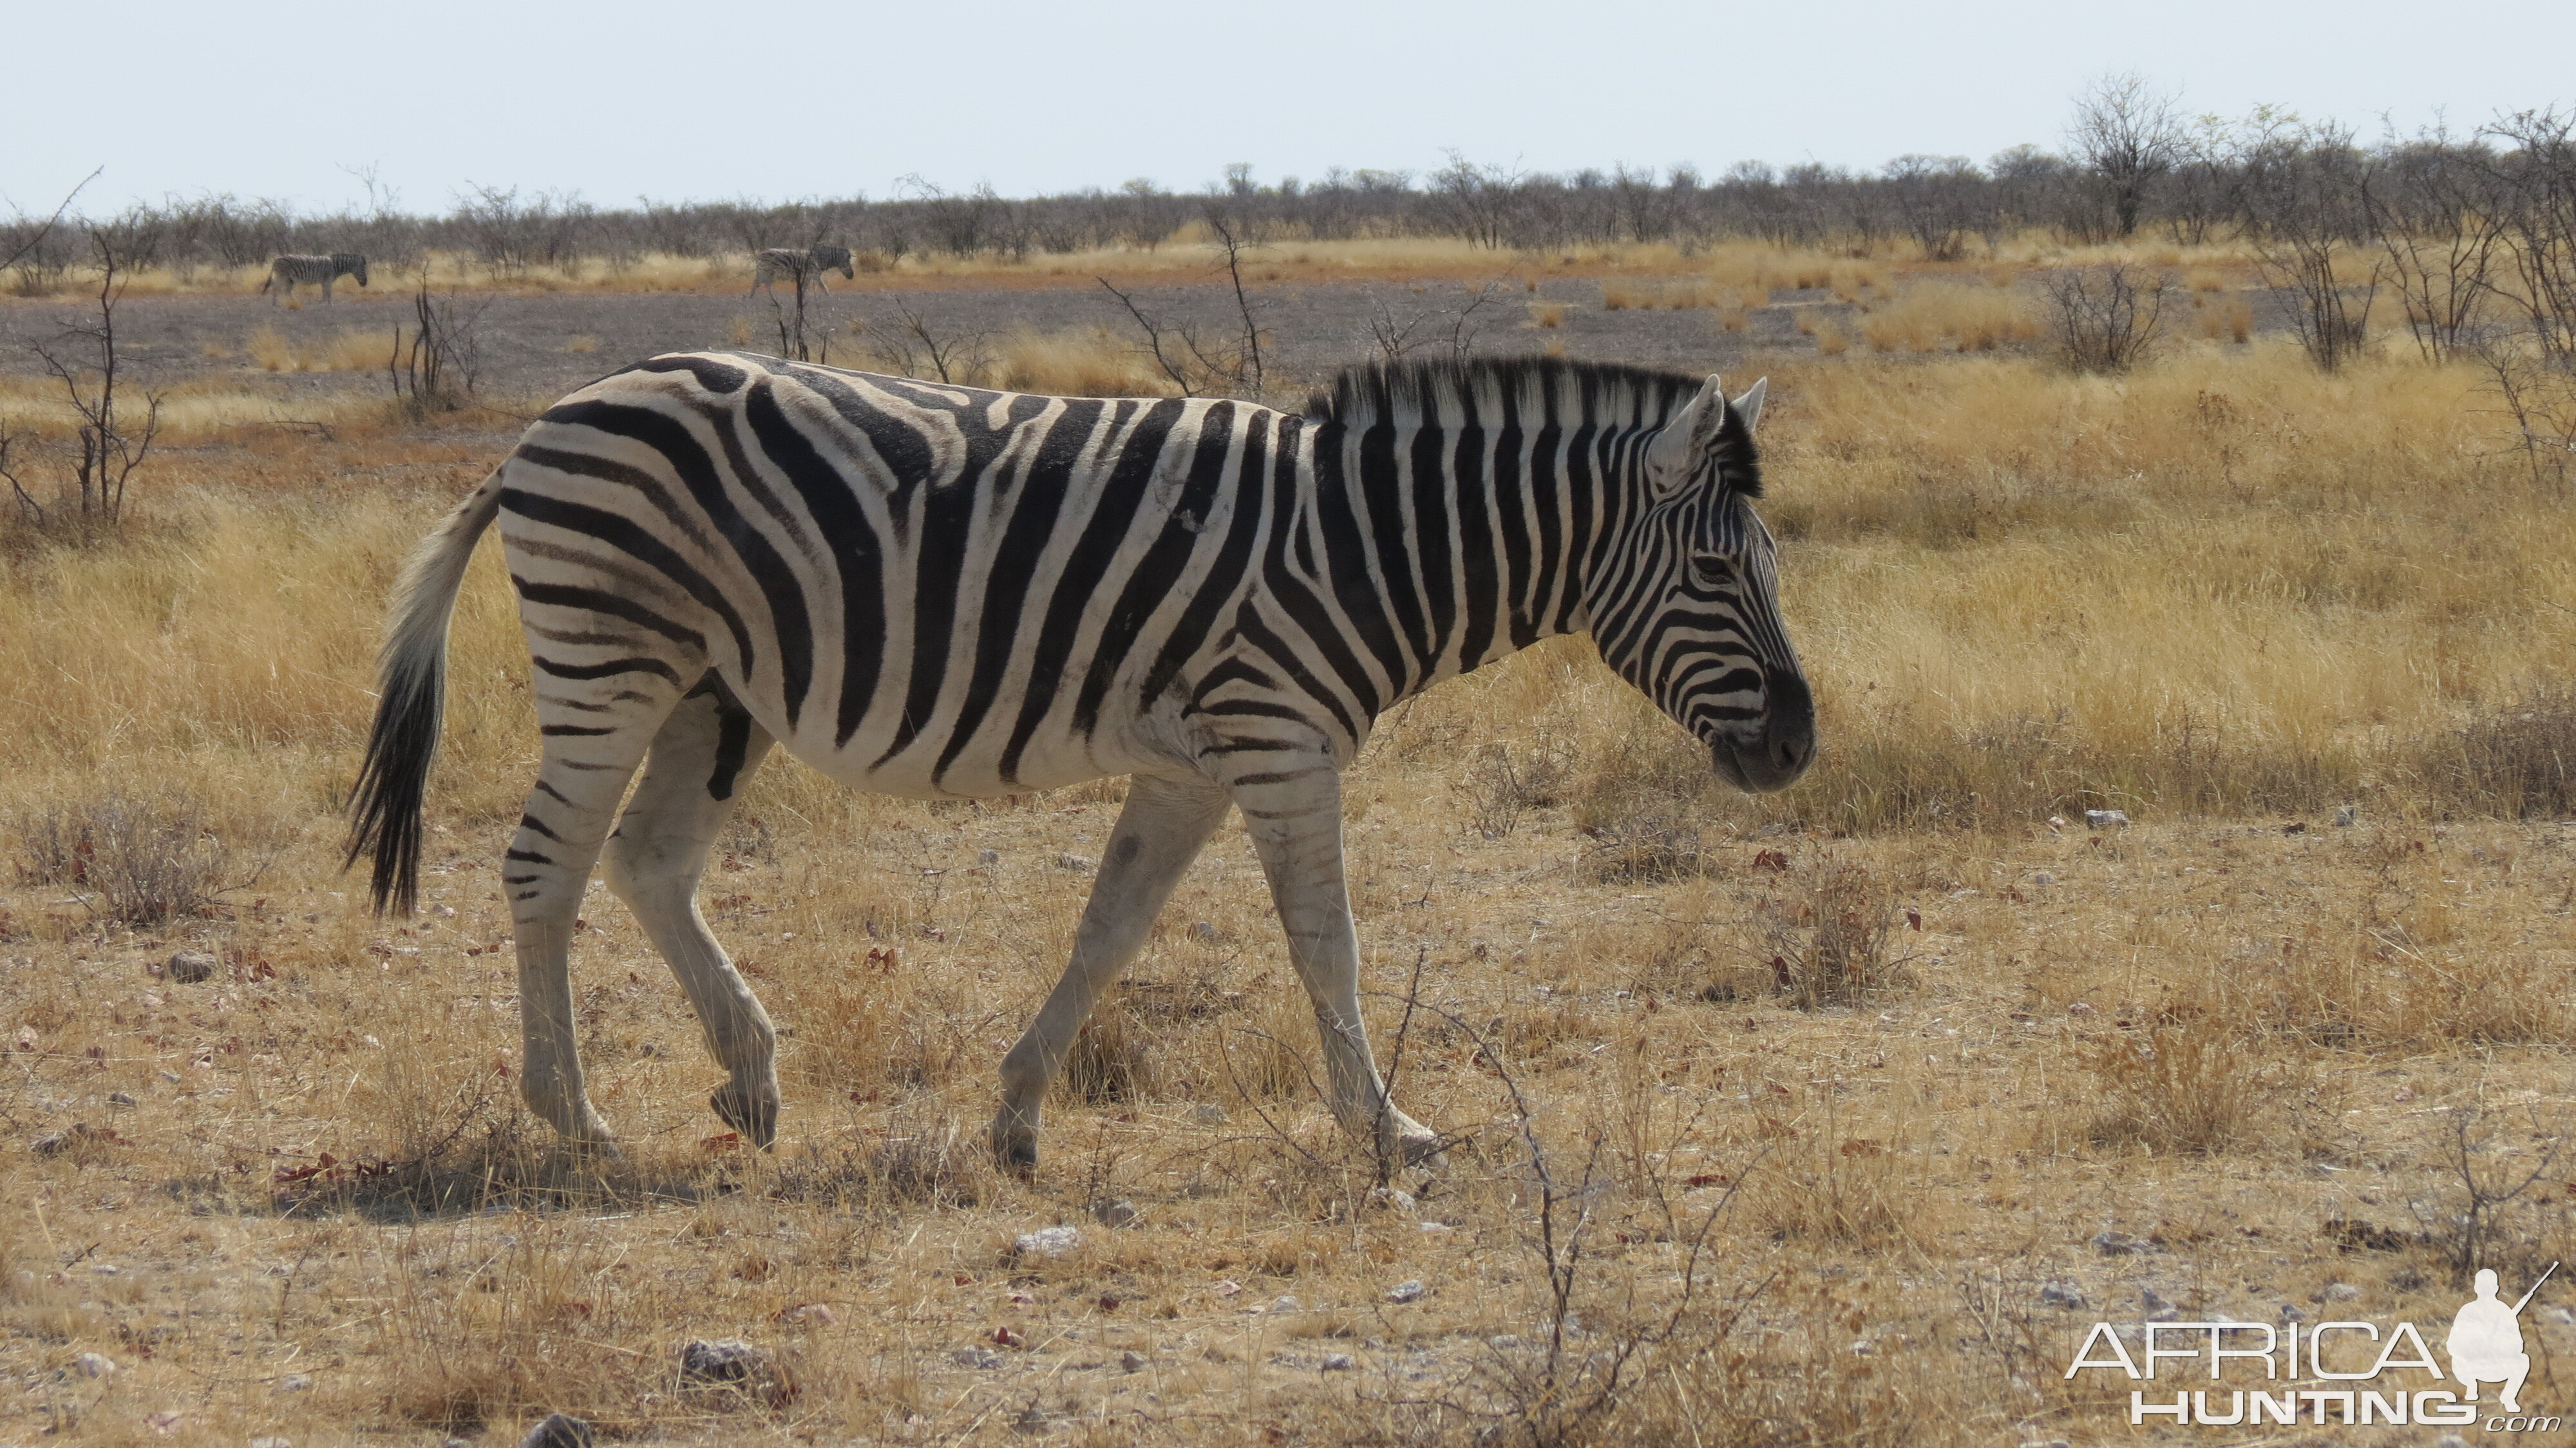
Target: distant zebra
(318, 271)
(937, 592)
(806, 265)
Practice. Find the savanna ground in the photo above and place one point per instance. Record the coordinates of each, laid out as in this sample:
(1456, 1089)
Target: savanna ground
(1776, 1119)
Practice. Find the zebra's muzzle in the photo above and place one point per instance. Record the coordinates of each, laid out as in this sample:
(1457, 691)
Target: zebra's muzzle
(1775, 751)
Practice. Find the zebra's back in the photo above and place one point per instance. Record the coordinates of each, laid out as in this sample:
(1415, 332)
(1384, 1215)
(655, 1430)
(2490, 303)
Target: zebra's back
(897, 578)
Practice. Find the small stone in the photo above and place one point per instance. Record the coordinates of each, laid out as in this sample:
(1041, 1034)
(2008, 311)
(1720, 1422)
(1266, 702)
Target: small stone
(119, 1098)
(1030, 1420)
(94, 1365)
(1394, 1200)
(1076, 862)
(1284, 1303)
(1210, 1114)
(2561, 1316)
(722, 1362)
(1133, 1362)
(2342, 1292)
(2082, 1008)
(1226, 1287)
(988, 857)
(1410, 1290)
(2116, 1244)
(1203, 929)
(2106, 819)
(1503, 1339)
(558, 1430)
(1863, 1347)
(190, 967)
(2042, 878)
(294, 1383)
(976, 1357)
(2347, 816)
(1115, 1214)
(1339, 1362)
(2061, 1294)
(1433, 1226)
(2450, 1440)
(1047, 1241)
(2152, 1300)
(271, 1443)
(809, 1314)
(2290, 1313)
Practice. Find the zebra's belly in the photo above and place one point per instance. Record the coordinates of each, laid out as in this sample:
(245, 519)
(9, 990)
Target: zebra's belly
(1051, 758)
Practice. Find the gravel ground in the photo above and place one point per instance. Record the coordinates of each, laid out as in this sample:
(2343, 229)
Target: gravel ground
(528, 341)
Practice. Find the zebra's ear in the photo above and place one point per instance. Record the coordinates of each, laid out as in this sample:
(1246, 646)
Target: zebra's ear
(1749, 406)
(1691, 432)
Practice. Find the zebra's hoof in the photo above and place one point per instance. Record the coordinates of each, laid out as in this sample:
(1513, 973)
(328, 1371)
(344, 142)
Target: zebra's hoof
(1016, 1152)
(753, 1113)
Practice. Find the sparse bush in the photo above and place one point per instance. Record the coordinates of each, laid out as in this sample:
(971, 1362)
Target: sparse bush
(2184, 1088)
(134, 860)
(1500, 787)
(1832, 937)
(2105, 319)
(2518, 761)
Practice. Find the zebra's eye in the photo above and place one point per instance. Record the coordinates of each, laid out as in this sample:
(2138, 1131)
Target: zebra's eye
(1710, 570)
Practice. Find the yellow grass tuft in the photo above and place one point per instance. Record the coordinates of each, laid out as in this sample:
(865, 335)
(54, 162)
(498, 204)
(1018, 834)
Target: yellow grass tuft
(1547, 314)
(1935, 315)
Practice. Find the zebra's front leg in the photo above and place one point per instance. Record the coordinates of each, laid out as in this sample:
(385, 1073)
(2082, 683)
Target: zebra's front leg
(707, 750)
(1292, 808)
(1161, 830)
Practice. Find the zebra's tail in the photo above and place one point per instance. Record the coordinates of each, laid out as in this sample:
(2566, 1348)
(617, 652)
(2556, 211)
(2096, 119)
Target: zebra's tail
(411, 685)
(265, 283)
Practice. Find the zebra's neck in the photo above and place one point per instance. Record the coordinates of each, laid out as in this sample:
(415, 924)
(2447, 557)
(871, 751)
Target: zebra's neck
(1482, 539)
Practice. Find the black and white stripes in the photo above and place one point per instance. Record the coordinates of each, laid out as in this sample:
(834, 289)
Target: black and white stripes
(800, 265)
(935, 591)
(288, 272)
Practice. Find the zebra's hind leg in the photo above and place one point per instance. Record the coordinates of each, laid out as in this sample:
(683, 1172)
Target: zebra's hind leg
(1292, 808)
(706, 751)
(1162, 828)
(591, 750)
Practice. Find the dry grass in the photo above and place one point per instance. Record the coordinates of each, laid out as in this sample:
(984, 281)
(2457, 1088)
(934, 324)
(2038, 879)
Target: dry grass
(1947, 316)
(2223, 594)
(349, 350)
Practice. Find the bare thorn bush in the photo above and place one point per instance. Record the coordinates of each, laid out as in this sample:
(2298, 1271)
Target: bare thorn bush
(1832, 938)
(2187, 1088)
(2105, 319)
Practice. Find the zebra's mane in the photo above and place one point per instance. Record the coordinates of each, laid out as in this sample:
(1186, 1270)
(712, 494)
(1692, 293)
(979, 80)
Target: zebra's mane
(1529, 392)
(1434, 394)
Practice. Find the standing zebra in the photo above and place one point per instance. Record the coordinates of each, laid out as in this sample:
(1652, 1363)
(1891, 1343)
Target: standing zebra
(800, 266)
(318, 271)
(937, 591)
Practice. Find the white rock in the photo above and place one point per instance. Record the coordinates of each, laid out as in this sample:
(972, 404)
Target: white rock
(1338, 1362)
(2342, 1292)
(1210, 1114)
(976, 1357)
(271, 1443)
(1406, 1291)
(94, 1365)
(2106, 819)
(1047, 1241)
(189, 967)
(2061, 1294)
(1114, 1214)
(294, 1383)
(988, 857)
(1132, 1361)
(1076, 862)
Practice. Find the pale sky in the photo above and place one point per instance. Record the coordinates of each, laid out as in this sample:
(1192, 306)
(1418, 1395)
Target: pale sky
(786, 100)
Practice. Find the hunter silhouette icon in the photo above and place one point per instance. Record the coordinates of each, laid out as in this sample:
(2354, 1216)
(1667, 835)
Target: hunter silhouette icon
(2486, 1341)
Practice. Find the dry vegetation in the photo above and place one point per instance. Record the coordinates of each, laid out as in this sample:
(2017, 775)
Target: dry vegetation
(1776, 1116)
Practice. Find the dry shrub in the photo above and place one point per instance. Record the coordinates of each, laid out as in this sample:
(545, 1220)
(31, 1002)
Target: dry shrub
(1643, 804)
(2182, 1088)
(1832, 937)
(1111, 1059)
(2518, 761)
(1830, 341)
(1821, 1184)
(581, 343)
(2228, 319)
(1733, 319)
(2105, 319)
(1502, 786)
(136, 860)
(1547, 314)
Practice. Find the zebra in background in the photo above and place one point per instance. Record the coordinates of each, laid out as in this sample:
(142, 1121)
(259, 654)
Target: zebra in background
(288, 271)
(800, 266)
(936, 591)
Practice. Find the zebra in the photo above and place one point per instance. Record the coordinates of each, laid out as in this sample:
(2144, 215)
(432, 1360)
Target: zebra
(313, 271)
(800, 266)
(938, 592)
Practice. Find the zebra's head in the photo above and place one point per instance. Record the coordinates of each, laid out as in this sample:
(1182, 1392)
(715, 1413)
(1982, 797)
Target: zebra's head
(836, 258)
(351, 263)
(1689, 610)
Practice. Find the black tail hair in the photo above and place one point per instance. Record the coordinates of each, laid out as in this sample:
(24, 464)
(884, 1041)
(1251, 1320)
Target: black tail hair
(385, 809)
